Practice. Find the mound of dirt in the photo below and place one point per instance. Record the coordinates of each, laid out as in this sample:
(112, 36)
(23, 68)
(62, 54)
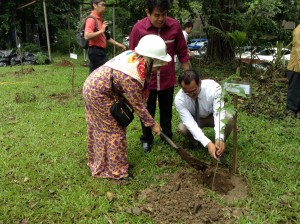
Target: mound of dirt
(185, 198)
(64, 63)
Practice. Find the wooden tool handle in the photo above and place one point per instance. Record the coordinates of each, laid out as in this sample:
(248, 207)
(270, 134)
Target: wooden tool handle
(163, 135)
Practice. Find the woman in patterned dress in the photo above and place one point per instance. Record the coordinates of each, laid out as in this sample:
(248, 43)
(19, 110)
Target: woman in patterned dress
(107, 153)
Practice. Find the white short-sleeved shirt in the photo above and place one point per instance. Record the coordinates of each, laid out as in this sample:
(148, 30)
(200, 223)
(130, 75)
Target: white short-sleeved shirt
(186, 36)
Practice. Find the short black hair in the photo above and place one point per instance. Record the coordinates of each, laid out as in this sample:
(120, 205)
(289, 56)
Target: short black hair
(188, 76)
(188, 25)
(162, 5)
(95, 2)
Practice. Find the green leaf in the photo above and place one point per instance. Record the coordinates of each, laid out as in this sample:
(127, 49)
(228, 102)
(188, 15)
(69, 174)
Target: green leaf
(225, 121)
(230, 109)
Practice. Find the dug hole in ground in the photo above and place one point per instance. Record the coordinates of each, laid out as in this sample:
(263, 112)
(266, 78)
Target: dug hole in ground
(185, 197)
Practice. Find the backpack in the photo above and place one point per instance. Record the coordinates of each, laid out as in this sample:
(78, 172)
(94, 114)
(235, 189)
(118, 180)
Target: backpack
(80, 33)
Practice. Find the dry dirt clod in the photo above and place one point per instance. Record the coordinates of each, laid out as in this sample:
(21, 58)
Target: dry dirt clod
(148, 209)
(134, 211)
(237, 213)
(177, 187)
(110, 196)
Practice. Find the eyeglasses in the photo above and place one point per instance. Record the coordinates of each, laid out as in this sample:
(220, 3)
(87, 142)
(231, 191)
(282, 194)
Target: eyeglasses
(102, 4)
(192, 92)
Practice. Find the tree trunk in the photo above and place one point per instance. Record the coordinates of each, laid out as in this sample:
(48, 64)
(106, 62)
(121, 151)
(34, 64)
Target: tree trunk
(220, 49)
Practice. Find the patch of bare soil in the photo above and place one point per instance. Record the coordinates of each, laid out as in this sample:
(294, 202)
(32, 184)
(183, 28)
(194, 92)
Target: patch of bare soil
(59, 96)
(64, 63)
(85, 64)
(24, 71)
(272, 93)
(25, 97)
(185, 198)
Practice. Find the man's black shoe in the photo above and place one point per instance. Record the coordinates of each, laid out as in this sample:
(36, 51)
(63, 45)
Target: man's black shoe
(146, 146)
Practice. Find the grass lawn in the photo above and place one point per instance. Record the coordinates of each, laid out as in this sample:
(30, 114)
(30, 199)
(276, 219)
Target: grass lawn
(45, 179)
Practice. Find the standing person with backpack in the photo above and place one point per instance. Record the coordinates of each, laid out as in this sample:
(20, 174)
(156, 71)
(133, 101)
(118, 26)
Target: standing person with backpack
(162, 83)
(96, 37)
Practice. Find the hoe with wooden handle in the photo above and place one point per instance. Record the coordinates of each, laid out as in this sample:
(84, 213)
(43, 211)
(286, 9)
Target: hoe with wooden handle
(192, 161)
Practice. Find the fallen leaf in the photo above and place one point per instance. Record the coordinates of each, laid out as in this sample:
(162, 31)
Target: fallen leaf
(24, 221)
(31, 206)
(110, 196)
(16, 181)
(135, 211)
(237, 213)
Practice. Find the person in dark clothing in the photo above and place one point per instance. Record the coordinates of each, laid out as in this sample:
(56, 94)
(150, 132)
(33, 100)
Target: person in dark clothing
(293, 74)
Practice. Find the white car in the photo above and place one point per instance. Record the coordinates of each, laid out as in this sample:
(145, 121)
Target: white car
(270, 54)
(201, 51)
(197, 43)
(247, 51)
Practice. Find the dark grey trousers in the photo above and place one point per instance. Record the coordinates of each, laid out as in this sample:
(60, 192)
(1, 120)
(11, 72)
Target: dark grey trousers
(293, 93)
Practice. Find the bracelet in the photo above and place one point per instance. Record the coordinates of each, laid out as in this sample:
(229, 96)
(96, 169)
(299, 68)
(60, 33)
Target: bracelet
(220, 139)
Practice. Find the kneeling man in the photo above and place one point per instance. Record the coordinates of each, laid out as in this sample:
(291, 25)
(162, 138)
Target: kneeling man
(199, 104)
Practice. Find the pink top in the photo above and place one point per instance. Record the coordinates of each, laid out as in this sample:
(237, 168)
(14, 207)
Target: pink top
(100, 40)
(171, 32)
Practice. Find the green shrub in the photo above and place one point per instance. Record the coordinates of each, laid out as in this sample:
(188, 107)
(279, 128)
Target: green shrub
(41, 58)
(65, 39)
(30, 47)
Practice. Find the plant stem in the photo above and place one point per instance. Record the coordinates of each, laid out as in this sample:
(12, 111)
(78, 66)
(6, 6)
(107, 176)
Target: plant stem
(213, 180)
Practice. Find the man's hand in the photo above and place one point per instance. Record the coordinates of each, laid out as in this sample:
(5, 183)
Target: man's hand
(156, 128)
(212, 150)
(121, 46)
(103, 28)
(220, 147)
(191, 53)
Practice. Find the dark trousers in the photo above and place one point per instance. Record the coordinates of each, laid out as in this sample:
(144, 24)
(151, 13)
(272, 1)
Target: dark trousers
(165, 102)
(293, 93)
(97, 57)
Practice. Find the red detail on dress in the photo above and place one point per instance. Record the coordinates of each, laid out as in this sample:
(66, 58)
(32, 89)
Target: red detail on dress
(142, 69)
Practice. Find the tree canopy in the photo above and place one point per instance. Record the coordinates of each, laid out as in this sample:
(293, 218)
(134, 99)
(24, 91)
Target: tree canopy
(261, 20)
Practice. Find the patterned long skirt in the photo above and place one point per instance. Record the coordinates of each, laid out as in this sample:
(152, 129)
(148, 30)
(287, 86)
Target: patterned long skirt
(107, 154)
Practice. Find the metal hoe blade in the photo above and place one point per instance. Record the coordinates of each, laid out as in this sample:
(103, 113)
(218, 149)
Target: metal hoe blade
(192, 161)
